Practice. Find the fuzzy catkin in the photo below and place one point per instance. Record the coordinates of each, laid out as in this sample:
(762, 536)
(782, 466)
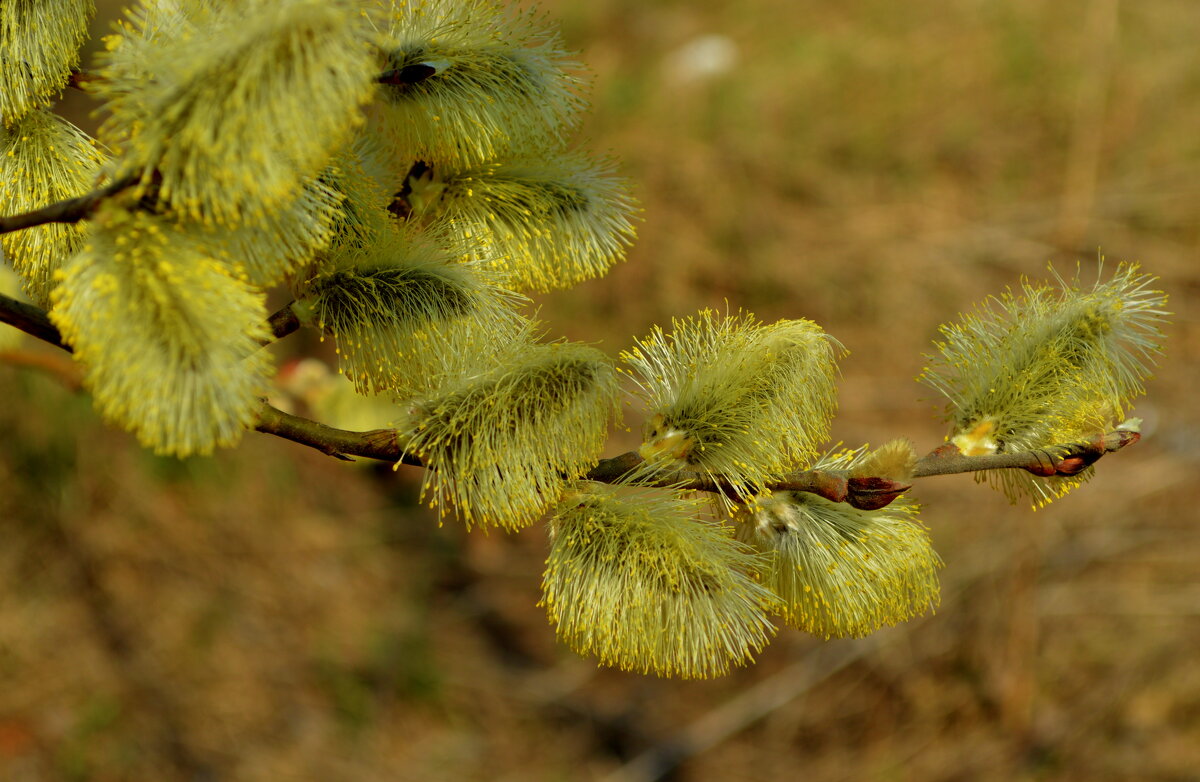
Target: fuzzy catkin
(408, 315)
(543, 224)
(491, 82)
(734, 399)
(43, 159)
(840, 571)
(645, 584)
(239, 111)
(39, 45)
(1050, 365)
(279, 243)
(170, 341)
(501, 446)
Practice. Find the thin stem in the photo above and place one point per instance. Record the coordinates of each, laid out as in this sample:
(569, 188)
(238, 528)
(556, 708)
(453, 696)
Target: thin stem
(32, 320)
(71, 210)
(868, 493)
(283, 322)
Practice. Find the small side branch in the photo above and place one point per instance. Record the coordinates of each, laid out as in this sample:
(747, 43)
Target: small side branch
(1069, 459)
(72, 210)
(383, 444)
(283, 322)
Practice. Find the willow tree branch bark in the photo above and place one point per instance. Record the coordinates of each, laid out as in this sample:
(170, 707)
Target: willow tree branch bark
(866, 492)
(32, 320)
(70, 210)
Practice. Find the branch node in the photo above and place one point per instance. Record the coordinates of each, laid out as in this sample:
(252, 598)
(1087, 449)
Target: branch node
(874, 493)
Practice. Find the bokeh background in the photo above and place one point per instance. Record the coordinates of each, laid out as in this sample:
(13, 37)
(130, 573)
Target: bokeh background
(272, 614)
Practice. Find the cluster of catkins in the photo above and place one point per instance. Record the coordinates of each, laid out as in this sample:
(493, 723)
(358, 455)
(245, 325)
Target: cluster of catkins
(403, 170)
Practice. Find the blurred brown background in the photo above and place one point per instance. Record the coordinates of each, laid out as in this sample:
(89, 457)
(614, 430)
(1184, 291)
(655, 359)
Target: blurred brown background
(271, 614)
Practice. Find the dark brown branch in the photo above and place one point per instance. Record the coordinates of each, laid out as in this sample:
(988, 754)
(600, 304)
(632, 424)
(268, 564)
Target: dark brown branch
(865, 492)
(32, 320)
(79, 79)
(72, 210)
(383, 444)
(283, 322)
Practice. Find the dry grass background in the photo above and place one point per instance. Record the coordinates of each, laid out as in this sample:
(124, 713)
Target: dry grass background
(270, 614)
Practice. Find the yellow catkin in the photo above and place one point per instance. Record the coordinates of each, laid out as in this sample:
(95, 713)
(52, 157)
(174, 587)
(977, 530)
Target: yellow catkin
(735, 399)
(543, 224)
(227, 114)
(39, 42)
(642, 582)
(839, 571)
(1048, 365)
(169, 340)
(501, 445)
(488, 82)
(43, 159)
(408, 315)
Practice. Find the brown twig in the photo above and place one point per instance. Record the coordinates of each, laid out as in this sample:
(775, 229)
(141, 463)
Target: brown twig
(283, 322)
(865, 492)
(71, 210)
(32, 320)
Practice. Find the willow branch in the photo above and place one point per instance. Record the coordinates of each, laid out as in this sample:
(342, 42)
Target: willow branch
(32, 320)
(71, 210)
(283, 322)
(386, 445)
(866, 492)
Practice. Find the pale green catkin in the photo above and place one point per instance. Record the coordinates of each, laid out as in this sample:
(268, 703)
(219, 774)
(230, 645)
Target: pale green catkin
(362, 218)
(169, 340)
(39, 45)
(1050, 365)
(486, 82)
(407, 314)
(501, 446)
(225, 121)
(279, 243)
(544, 224)
(840, 571)
(43, 159)
(734, 399)
(645, 584)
